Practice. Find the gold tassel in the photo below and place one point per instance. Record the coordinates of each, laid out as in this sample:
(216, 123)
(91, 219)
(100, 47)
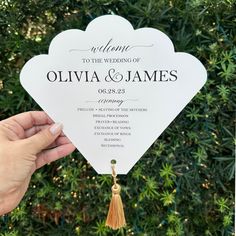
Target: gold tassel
(116, 216)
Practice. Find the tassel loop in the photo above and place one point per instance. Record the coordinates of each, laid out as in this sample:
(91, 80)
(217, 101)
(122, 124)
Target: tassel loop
(116, 189)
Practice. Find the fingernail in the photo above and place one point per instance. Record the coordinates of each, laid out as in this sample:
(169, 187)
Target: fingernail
(56, 128)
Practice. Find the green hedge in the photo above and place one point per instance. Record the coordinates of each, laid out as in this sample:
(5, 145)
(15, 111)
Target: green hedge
(184, 184)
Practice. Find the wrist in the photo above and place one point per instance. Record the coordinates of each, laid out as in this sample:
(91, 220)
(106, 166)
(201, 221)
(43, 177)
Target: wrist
(2, 205)
(5, 200)
(8, 202)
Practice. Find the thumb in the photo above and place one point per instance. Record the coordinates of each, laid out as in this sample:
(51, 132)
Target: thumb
(44, 138)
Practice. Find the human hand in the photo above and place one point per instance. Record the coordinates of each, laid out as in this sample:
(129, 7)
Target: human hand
(27, 142)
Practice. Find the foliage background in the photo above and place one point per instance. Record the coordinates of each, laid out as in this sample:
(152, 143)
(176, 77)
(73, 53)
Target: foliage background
(184, 184)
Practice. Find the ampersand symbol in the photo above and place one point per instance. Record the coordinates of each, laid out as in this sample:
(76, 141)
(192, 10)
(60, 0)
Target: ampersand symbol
(113, 76)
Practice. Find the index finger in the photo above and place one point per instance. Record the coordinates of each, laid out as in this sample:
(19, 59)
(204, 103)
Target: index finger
(31, 118)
